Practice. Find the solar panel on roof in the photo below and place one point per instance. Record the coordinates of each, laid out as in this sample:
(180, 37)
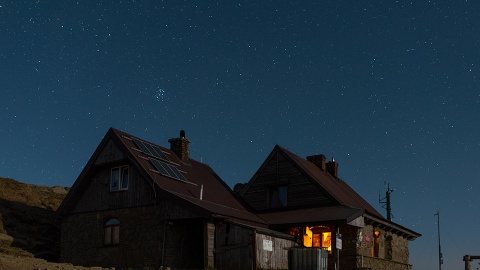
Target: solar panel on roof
(141, 146)
(159, 167)
(167, 170)
(177, 172)
(150, 149)
(160, 152)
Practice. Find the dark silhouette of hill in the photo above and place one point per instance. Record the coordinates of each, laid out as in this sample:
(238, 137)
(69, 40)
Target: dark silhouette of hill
(26, 219)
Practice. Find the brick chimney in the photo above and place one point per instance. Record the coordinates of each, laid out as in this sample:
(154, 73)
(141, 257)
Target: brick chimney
(180, 146)
(318, 160)
(332, 168)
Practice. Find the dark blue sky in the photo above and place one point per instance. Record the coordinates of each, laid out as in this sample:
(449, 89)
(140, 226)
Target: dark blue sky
(390, 89)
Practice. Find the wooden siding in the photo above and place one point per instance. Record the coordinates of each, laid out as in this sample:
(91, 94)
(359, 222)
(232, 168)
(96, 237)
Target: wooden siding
(279, 171)
(277, 258)
(233, 247)
(110, 153)
(210, 245)
(184, 246)
(239, 247)
(96, 194)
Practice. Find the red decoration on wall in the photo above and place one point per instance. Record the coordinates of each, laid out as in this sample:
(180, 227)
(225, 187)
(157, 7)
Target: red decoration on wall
(366, 238)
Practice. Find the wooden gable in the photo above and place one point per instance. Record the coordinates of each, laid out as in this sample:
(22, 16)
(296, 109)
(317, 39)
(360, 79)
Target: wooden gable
(279, 171)
(95, 193)
(203, 193)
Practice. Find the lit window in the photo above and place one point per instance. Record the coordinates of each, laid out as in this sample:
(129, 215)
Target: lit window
(318, 237)
(376, 243)
(112, 232)
(308, 237)
(278, 197)
(119, 178)
(327, 241)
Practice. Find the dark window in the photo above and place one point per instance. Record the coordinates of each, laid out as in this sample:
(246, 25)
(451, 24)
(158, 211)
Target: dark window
(119, 178)
(112, 232)
(388, 248)
(278, 197)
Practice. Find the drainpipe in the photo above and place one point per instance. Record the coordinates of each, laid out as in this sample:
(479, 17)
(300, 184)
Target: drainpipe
(254, 249)
(163, 244)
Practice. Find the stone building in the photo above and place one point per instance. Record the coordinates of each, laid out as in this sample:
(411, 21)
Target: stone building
(307, 199)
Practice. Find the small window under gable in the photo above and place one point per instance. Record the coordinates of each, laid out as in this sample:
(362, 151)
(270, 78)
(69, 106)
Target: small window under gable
(278, 197)
(112, 232)
(119, 178)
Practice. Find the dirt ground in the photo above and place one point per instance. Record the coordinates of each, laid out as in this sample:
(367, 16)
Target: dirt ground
(10, 262)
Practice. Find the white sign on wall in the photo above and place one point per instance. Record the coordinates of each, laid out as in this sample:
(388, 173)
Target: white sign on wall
(267, 245)
(339, 241)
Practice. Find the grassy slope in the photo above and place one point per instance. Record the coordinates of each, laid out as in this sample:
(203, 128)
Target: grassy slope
(26, 214)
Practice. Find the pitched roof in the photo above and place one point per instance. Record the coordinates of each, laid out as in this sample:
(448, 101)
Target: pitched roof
(336, 187)
(217, 198)
(350, 205)
(329, 214)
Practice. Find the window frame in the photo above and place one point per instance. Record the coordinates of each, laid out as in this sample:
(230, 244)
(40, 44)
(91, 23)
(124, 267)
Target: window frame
(277, 197)
(376, 243)
(111, 232)
(122, 175)
(388, 248)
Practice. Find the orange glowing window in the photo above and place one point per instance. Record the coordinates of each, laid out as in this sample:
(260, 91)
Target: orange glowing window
(317, 237)
(307, 237)
(376, 243)
(327, 241)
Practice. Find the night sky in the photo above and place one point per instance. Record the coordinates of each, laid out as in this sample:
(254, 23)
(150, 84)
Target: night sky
(390, 89)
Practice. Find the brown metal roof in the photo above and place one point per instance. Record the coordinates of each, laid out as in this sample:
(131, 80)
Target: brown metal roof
(336, 187)
(217, 198)
(316, 215)
(352, 204)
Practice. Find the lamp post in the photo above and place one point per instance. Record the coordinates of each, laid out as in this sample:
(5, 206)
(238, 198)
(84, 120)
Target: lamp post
(440, 260)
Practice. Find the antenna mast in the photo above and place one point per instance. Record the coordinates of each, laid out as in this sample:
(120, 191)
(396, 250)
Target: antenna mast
(386, 201)
(440, 257)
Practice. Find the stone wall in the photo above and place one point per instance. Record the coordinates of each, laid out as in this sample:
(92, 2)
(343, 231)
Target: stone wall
(378, 257)
(349, 247)
(82, 237)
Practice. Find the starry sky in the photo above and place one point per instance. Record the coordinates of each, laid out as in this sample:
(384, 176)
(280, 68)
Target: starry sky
(390, 89)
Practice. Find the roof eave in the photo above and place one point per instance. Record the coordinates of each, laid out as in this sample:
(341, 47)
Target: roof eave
(407, 233)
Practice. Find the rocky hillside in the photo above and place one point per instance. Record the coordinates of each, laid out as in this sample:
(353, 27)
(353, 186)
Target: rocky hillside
(26, 219)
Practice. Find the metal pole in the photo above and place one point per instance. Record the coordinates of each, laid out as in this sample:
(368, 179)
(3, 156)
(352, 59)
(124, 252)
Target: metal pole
(336, 248)
(437, 213)
(389, 209)
(466, 258)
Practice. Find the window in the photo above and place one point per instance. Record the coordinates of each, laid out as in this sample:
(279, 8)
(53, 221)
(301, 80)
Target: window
(376, 243)
(327, 241)
(112, 232)
(119, 179)
(388, 248)
(317, 236)
(278, 197)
